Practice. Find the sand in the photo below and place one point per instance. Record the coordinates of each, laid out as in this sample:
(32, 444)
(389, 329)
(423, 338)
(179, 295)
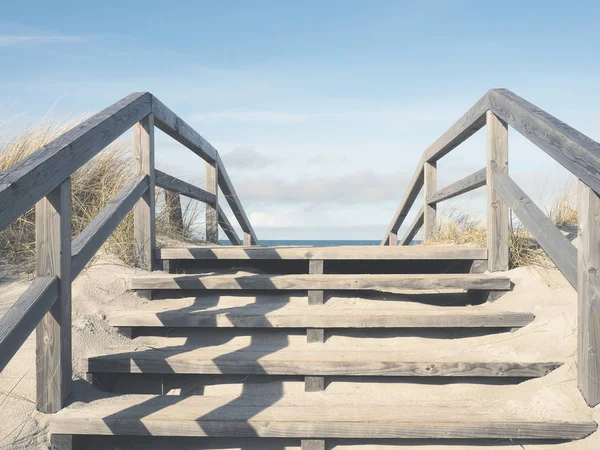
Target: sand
(100, 290)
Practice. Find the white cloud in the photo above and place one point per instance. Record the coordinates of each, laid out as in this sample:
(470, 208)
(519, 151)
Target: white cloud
(244, 157)
(12, 40)
(279, 219)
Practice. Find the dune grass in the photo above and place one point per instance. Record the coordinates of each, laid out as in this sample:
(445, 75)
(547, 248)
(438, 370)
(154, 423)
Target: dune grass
(93, 186)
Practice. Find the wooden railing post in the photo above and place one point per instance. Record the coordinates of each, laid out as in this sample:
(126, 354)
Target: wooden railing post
(53, 333)
(392, 238)
(497, 209)
(588, 291)
(212, 215)
(430, 211)
(143, 212)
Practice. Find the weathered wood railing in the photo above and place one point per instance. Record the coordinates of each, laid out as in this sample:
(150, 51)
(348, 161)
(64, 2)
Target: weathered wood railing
(579, 154)
(43, 180)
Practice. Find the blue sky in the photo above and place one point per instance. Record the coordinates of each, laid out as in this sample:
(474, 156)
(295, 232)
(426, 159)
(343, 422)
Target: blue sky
(321, 110)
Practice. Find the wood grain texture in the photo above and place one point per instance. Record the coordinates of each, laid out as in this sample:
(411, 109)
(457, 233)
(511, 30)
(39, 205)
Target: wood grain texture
(21, 319)
(275, 316)
(312, 444)
(317, 416)
(579, 154)
(415, 252)
(315, 267)
(393, 239)
(171, 124)
(85, 246)
(234, 201)
(429, 208)
(144, 217)
(588, 289)
(320, 282)
(227, 227)
(556, 245)
(414, 227)
(169, 182)
(497, 209)
(212, 216)
(308, 362)
(467, 184)
(53, 333)
(28, 181)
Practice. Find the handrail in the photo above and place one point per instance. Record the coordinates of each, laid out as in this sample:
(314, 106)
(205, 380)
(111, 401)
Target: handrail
(580, 155)
(44, 179)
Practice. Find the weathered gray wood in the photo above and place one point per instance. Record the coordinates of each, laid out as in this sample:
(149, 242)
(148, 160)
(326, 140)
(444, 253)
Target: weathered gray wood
(266, 315)
(28, 181)
(467, 184)
(471, 122)
(212, 217)
(227, 227)
(560, 250)
(247, 238)
(497, 209)
(588, 289)
(68, 442)
(171, 124)
(312, 444)
(305, 361)
(143, 212)
(174, 211)
(234, 201)
(414, 228)
(392, 238)
(53, 333)
(315, 335)
(573, 150)
(21, 319)
(315, 267)
(88, 242)
(479, 266)
(320, 282)
(429, 208)
(319, 417)
(416, 252)
(169, 182)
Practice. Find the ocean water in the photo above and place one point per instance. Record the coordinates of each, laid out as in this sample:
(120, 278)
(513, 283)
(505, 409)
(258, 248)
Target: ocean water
(315, 243)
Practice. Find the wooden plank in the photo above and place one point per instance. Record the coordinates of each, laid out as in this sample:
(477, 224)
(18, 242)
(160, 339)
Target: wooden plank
(340, 362)
(85, 246)
(234, 201)
(467, 184)
(312, 444)
(497, 209)
(171, 124)
(588, 289)
(53, 333)
(560, 250)
(429, 208)
(212, 216)
(392, 239)
(414, 228)
(315, 267)
(319, 282)
(317, 416)
(169, 182)
(21, 319)
(270, 315)
(579, 154)
(415, 252)
(28, 181)
(227, 227)
(143, 212)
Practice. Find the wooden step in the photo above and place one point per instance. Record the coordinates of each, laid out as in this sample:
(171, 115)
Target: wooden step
(374, 252)
(322, 416)
(386, 283)
(274, 314)
(309, 362)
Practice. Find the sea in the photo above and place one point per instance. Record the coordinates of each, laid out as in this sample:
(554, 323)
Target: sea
(315, 243)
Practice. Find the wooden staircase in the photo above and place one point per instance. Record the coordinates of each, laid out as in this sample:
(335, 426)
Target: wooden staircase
(283, 333)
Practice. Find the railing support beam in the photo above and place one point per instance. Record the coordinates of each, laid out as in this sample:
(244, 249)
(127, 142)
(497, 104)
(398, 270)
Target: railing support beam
(497, 209)
(143, 212)
(430, 210)
(588, 291)
(212, 216)
(53, 333)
